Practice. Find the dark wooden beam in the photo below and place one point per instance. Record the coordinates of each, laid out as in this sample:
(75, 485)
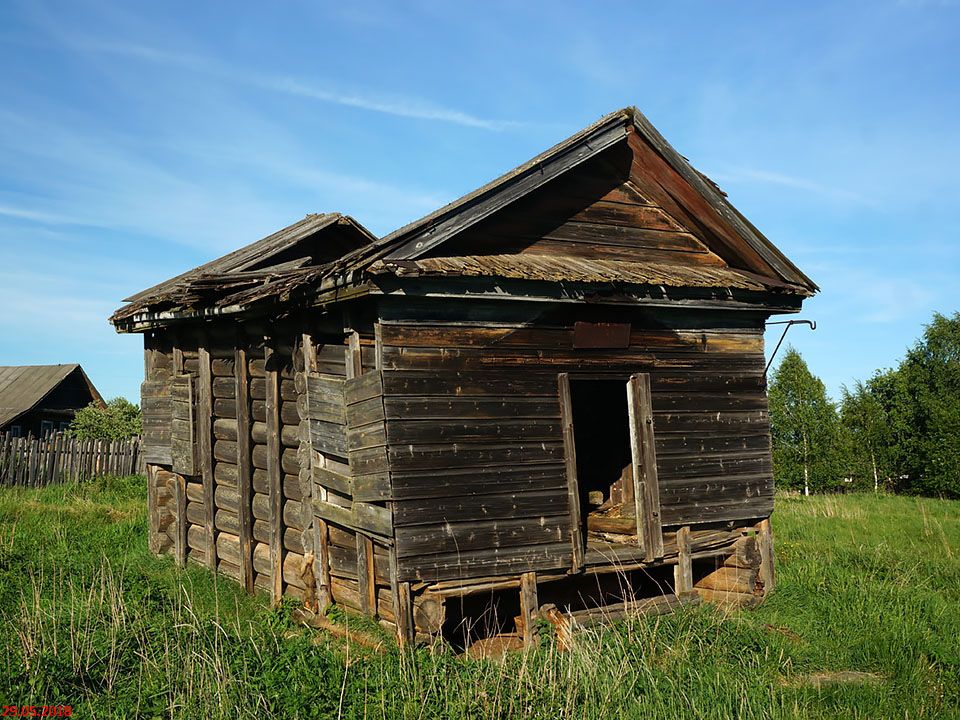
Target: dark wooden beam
(320, 536)
(274, 473)
(646, 482)
(570, 460)
(205, 440)
(244, 465)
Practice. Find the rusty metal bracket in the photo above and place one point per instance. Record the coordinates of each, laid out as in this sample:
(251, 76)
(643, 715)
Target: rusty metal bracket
(789, 324)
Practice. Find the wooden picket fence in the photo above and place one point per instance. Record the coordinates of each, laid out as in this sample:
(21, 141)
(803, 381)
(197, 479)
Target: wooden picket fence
(56, 458)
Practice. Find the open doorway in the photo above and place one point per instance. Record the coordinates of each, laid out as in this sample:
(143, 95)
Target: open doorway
(605, 485)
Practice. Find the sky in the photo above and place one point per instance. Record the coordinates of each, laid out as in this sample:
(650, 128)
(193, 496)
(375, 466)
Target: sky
(139, 139)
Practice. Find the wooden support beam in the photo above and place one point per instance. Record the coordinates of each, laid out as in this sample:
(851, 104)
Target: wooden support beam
(274, 473)
(646, 482)
(570, 459)
(529, 607)
(354, 363)
(153, 509)
(180, 497)
(683, 572)
(244, 466)
(406, 632)
(318, 526)
(205, 441)
(765, 546)
(365, 576)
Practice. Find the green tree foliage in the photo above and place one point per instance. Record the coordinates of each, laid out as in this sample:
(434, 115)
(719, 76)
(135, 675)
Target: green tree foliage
(119, 420)
(807, 450)
(929, 405)
(865, 437)
(904, 424)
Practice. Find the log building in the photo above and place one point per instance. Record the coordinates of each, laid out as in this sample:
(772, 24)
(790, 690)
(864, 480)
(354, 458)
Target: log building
(40, 399)
(546, 397)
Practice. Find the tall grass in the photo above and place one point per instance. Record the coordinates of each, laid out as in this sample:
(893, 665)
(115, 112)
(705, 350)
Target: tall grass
(90, 619)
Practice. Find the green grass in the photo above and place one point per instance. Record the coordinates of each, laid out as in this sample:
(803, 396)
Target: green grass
(90, 619)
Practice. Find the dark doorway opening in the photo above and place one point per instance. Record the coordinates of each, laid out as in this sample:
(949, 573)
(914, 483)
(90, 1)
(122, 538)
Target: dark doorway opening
(601, 431)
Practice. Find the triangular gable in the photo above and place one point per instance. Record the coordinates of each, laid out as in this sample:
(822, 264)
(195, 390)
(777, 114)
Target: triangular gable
(268, 270)
(616, 190)
(296, 245)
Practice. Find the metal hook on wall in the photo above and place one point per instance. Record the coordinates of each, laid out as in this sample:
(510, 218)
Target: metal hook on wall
(789, 324)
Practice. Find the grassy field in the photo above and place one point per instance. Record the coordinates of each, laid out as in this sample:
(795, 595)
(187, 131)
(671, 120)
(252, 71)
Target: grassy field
(90, 619)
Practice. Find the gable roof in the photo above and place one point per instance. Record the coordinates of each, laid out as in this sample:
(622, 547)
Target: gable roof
(23, 387)
(269, 269)
(299, 260)
(421, 236)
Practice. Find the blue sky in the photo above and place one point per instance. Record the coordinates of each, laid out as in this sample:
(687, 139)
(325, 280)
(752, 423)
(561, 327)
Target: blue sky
(140, 139)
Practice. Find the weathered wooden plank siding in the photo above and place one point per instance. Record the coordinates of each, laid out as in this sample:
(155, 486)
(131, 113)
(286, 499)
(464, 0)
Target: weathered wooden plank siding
(475, 445)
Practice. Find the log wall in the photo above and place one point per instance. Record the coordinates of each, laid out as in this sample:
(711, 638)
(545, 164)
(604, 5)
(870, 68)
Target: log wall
(475, 445)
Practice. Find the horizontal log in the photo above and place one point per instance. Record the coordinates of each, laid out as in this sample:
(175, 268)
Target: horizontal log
(477, 480)
(425, 540)
(225, 473)
(222, 367)
(367, 386)
(728, 601)
(374, 518)
(452, 384)
(225, 429)
(446, 457)
(224, 387)
(469, 408)
(644, 359)
(730, 579)
(481, 563)
(226, 521)
(289, 434)
(493, 430)
(483, 507)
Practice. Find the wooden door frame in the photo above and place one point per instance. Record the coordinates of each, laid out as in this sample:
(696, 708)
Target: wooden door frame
(643, 453)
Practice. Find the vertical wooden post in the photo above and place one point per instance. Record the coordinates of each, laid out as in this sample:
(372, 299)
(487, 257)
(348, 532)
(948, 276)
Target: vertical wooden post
(765, 545)
(354, 358)
(646, 482)
(368, 588)
(205, 441)
(244, 469)
(406, 630)
(529, 605)
(321, 552)
(274, 473)
(683, 572)
(180, 497)
(570, 458)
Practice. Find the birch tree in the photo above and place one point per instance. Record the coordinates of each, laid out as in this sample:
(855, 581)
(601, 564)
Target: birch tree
(804, 428)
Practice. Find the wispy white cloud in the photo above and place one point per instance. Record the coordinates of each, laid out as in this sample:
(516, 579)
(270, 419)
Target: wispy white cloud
(744, 175)
(21, 213)
(400, 106)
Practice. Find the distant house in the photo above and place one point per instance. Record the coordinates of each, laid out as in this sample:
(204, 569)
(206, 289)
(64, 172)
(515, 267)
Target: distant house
(37, 399)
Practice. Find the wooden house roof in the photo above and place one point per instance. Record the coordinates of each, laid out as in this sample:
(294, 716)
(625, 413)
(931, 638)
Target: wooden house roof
(646, 217)
(24, 387)
(271, 269)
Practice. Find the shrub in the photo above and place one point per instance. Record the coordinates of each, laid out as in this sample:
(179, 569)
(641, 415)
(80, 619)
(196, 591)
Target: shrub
(120, 419)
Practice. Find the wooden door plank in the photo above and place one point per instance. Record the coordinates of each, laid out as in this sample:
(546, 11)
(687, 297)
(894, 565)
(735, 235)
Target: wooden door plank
(570, 460)
(646, 483)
